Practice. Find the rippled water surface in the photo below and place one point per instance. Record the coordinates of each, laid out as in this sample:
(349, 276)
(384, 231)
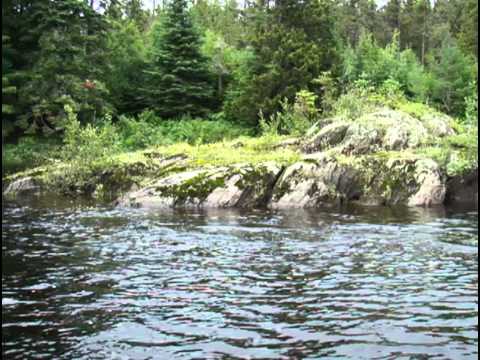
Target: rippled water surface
(84, 282)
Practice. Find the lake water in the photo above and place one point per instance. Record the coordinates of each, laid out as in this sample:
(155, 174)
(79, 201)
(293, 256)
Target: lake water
(90, 282)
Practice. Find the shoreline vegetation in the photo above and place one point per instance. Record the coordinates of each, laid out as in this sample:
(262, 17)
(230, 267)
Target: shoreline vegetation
(295, 104)
(402, 154)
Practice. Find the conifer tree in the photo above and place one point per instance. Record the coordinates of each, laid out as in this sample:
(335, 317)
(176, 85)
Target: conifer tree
(294, 43)
(8, 89)
(68, 65)
(178, 81)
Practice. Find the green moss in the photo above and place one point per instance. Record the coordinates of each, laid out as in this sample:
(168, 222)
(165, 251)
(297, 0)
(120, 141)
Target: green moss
(198, 188)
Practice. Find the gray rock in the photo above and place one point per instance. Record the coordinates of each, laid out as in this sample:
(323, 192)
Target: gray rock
(432, 187)
(311, 184)
(22, 186)
(438, 124)
(329, 135)
(242, 186)
(463, 189)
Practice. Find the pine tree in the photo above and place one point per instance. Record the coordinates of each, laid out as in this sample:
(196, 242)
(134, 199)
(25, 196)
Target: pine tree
(391, 15)
(8, 89)
(178, 81)
(68, 65)
(294, 43)
(468, 35)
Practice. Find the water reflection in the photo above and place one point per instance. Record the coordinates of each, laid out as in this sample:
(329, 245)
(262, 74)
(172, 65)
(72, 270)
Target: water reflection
(85, 282)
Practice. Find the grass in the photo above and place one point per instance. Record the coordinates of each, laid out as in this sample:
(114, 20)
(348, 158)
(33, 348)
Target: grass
(241, 150)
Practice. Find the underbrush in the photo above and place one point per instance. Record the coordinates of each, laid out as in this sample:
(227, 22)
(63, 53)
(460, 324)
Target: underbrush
(29, 152)
(148, 130)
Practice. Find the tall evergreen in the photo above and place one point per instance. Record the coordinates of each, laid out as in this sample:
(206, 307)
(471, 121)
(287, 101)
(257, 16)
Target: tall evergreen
(294, 43)
(178, 81)
(468, 34)
(8, 89)
(391, 16)
(68, 67)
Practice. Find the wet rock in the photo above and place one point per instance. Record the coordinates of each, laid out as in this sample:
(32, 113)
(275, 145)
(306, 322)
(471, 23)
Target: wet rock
(463, 189)
(312, 184)
(22, 186)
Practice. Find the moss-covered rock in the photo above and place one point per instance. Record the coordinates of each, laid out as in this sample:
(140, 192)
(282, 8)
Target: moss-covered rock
(410, 156)
(244, 186)
(313, 183)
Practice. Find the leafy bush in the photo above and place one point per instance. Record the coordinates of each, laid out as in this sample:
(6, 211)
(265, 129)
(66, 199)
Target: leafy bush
(29, 152)
(149, 130)
(445, 81)
(85, 149)
(293, 119)
(87, 144)
(355, 102)
(471, 107)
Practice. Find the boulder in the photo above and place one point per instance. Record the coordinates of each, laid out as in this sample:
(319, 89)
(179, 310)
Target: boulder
(313, 184)
(243, 186)
(22, 186)
(330, 135)
(463, 189)
(432, 187)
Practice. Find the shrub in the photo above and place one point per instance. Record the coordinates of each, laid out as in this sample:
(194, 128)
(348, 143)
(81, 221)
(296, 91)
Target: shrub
(85, 149)
(29, 152)
(150, 130)
(293, 119)
(471, 107)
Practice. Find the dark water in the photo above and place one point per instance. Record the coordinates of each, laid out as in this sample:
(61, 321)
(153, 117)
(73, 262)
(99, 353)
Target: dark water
(85, 282)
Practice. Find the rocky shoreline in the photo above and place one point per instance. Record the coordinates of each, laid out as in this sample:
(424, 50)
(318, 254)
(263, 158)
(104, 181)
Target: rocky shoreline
(373, 161)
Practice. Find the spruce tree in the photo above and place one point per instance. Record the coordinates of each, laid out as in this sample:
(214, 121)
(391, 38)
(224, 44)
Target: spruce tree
(178, 81)
(391, 16)
(8, 89)
(294, 43)
(68, 67)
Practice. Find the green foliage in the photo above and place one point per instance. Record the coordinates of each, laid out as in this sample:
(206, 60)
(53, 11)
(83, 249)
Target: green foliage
(84, 145)
(453, 72)
(357, 101)
(237, 103)
(227, 63)
(9, 90)
(177, 81)
(293, 119)
(220, 17)
(458, 153)
(293, 43)
(127, 50)
(468, 34)
(375, 64)
(149, 130)
(329, 89)
(28, 153)
(67, 68)
(471, 107)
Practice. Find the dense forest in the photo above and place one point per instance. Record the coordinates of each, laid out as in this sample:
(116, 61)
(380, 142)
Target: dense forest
(204, 70)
